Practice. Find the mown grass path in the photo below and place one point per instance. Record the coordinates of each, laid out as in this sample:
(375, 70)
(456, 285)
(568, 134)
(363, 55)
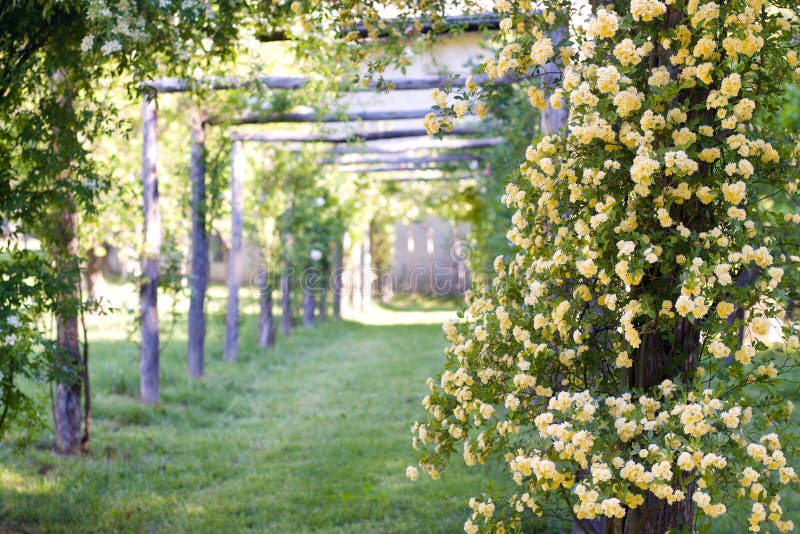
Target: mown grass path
(310, 437)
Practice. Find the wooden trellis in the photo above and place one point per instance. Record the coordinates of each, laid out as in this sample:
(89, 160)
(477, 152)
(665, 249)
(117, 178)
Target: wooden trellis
(149, 363)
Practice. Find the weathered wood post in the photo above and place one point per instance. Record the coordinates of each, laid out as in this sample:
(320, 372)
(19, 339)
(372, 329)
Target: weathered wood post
(322, 310)
(266, 323)
(356, 277)
(151, 254)
(286, 301)
(235, 257)
(198, 279)
(337, 279)
(553, 119)
(263, 282)
(366, 269)
(309, 304)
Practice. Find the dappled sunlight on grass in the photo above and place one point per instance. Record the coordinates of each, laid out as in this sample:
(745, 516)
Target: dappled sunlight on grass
(25, 484)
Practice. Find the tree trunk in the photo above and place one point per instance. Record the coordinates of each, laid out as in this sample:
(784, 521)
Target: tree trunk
(266, 323)
(151, 256)
(198, 280)
(653, 362)
(309, 305)
(235, 259)
(67, 403)
(286, 303)
(337, 280)
(655, 516)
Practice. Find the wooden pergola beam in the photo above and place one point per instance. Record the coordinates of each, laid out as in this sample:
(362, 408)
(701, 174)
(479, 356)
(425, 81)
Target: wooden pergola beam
(224, 83)
(396, 167)
(431, 178)
(283, 137)
(400, 158)
(429, 144)
(269, 118)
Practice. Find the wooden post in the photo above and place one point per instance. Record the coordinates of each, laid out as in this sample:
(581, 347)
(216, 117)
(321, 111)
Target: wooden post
(309, 304)
(266, 319)
(198, 279)
(286, 301)
(552, 120)
(151, 254)
(337, 280)
(366, 270)
(266, 324)
(322, 311)
(235, 258)
(356, 278)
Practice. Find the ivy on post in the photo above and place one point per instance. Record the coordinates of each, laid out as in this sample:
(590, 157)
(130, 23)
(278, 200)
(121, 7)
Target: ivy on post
(151, 254)
(235, 258)
(198, 279)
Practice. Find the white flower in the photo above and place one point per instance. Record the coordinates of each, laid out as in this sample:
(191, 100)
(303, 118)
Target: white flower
(10, 339)
(8, 228)
(14, 321)
(319, 202)
(87, 43)
(110, 47)
(316, 255)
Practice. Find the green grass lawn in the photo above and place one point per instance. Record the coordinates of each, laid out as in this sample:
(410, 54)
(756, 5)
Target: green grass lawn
(312, 436)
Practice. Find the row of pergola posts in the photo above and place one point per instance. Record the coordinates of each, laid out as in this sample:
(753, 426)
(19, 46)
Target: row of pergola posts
(198, 278)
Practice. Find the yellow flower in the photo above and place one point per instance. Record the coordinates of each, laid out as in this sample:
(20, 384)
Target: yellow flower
(744, 109)
(604, 26)
(612, 508)
(684, 305)
(431, 123)
(684, 136)
(583, 96)
(731, 85)
(734, 193)
(439, 97)
(623, 360)
(704, 48)
(542, 51)
(709, 155)
(659, 77)
(536, 97)
(725, 309)
(460, 108)
(626, 53)
(647, 10)
(412, 473)
(628, 101)
(608, 79)
(718, 349)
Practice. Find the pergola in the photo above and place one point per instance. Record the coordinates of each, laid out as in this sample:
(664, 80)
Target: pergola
(345, 156)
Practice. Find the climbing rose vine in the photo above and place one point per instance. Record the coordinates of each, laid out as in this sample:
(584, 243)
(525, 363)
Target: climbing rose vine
(628, 356)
